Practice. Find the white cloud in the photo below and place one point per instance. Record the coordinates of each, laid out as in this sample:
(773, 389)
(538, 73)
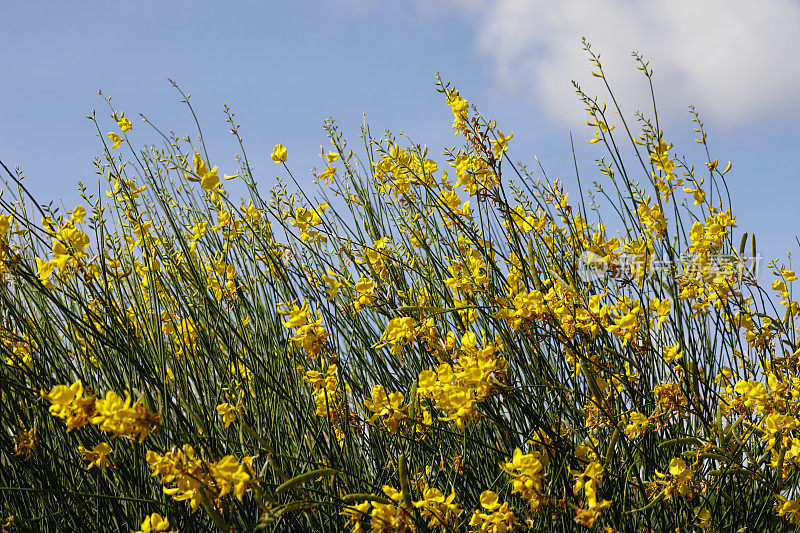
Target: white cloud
(736, 60)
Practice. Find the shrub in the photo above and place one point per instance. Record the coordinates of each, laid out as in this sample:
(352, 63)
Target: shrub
(414, 345)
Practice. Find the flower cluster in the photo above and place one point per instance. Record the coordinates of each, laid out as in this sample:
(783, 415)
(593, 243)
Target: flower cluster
(460, 327)
(189, 478)
(110, 413)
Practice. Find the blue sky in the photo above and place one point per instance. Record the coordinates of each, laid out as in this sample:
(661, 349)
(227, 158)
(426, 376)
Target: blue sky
(285, 67)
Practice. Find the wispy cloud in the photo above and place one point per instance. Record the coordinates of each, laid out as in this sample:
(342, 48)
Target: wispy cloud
(736, 60)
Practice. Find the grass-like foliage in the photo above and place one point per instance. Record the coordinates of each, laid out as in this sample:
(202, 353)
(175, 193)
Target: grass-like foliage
(412, 345)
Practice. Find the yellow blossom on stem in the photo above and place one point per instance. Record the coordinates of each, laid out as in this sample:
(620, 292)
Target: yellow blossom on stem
(399, 332)
(111, 413)
(499, 518)
(153, 523)
(310, 333)
(441, 512)
(124, 124)
(98, 456)
(678, 480)
(588, 481)
(388, 405)
(188, 477)
(527, 476)
(636, 425)
(69, 404)
(789, 509)
(116, 139)
(279, 153)
(228, 412)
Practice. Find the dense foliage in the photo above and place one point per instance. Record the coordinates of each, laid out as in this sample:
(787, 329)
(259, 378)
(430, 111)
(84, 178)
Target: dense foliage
(413, 345)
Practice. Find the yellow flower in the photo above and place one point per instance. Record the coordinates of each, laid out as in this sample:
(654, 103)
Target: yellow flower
(528, 478)
(69, 244)
(699, 194)
(223, 217)
(660, 157)
(637, 425)
(228, 413)
(439, 510)
(306, 219)
(116, 415)
(703, 518)
(489, 500)
(5, 225)
(333, 283)
(500, 146)
(399, 332)
(116, 139)
(355, 514)
(69, 404)
(310, 331)
(22, 350)
(671, 353)
(188, 475)
(210, 180)
(279, 154)
(366, 293)
(789, 509)
(661, 308)
(328, 175)
(390, 405)
(383, 404)
(152, 523)
(78, 214)
(589, 482)
(231, 475)
(670, 397)
(681, 478)
(500, 520)
(26, 440)
(125, 124)
(460, 107)
(98, 456)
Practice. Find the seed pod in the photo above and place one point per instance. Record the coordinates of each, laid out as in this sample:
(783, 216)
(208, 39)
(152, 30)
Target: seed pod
(589, 377)
(358, 496)
(652, 503)
(292, 483)
(612, 448)
(690, 441)
(413, 402)
(402, 472)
